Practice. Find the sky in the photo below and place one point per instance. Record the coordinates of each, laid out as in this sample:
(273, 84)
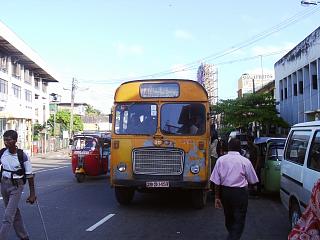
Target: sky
(103, 43)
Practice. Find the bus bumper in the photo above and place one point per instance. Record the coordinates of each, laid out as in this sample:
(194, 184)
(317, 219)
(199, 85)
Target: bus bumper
(139, 184)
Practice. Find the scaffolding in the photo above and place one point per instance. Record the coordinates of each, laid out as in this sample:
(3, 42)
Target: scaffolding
(207, 76)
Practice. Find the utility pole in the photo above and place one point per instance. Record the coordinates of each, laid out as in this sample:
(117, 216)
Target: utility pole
(253, 86)
(73, 89)
(262, 77)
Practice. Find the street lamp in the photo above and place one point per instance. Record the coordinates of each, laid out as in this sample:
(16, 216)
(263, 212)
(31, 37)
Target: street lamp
(309, 2)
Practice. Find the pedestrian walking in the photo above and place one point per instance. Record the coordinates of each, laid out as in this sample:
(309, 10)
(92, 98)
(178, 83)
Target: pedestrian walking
(308, 226)
(253, 155)
(16, 169)
(231, 176)
(215, 149)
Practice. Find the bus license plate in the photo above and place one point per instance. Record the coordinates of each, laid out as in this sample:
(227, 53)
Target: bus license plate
(157, 184)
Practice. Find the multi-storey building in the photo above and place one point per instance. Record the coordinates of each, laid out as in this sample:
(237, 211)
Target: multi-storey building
(24, 78)
(208, 76)
(297, 81)
(249, 83)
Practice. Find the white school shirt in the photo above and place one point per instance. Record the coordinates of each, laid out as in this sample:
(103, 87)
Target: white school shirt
(11, 162)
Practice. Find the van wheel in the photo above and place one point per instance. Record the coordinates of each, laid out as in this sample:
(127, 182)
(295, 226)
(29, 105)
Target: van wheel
(124, 195)
(199, 198)
(80, 177)
(294, 213)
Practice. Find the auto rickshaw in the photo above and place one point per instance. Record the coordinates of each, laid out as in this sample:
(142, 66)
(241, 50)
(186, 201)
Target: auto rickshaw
(90, 154)
(271, 153)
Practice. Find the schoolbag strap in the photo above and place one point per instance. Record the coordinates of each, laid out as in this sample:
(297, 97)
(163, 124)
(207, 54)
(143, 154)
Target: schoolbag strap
(1, 153)
(21, 157)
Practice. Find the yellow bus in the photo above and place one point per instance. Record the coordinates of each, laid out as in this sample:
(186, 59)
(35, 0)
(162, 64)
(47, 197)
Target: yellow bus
(160, 138)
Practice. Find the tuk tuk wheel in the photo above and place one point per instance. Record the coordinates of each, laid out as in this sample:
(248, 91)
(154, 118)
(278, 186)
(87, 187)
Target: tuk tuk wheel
(80, 177)
(199, 198)
(124, 195)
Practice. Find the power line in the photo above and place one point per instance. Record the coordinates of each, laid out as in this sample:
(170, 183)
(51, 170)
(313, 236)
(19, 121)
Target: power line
(194, 65)
(243, 44)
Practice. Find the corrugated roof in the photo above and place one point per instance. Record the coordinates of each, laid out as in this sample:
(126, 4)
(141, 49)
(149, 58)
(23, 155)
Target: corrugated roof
(13, 46)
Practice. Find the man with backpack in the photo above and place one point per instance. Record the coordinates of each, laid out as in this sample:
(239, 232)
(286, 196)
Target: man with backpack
(15, 170)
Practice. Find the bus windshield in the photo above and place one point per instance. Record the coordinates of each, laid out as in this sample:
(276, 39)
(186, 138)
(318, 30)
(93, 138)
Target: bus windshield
(183, 118)
(136, 118)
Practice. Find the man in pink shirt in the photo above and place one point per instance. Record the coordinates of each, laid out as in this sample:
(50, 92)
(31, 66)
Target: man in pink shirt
(231, 176)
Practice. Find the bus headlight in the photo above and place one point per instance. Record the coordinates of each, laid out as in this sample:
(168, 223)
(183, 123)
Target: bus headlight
(195, 169)
(122, 167)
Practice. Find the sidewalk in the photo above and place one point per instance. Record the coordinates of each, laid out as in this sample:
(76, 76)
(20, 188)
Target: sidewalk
(62, 154)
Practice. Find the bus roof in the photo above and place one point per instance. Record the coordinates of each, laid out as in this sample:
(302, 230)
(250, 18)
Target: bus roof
(189, 91)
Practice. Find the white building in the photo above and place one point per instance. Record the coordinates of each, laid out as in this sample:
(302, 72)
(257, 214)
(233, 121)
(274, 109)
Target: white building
(24, 78)
(78, 108)
(297, 81)
(208, 76)
(249, 83)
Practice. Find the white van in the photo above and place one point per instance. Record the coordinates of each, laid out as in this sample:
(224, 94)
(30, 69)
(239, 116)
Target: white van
(300, 167)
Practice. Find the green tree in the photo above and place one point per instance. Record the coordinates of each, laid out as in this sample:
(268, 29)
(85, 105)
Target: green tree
(63, 119)
(92, 111)
(37, 128)
(258, 108)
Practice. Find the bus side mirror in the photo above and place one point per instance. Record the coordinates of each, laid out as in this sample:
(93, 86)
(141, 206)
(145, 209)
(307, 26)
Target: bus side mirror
(110, 118)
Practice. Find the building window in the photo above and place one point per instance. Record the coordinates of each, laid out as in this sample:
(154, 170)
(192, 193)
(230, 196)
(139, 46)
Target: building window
(28, 95)
(281, 94)
(16, 70)
(16, 91)
(27, 76)
(314, 82)
(301, 87)
(44, 87)
(285, 93)
(37, 83)
(295, 89)
(36, 112)
(3, 64)
(3, 86)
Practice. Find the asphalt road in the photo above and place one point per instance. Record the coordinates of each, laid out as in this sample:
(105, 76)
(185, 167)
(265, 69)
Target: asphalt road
(89, 210)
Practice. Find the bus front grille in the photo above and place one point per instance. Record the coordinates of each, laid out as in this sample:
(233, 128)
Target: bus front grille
(157, 161)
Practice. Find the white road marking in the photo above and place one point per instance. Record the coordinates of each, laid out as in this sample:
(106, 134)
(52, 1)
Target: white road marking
(103, 220)
(51, 169)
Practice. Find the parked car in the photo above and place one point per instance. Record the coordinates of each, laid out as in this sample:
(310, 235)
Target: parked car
(271, 154)
(300, 167)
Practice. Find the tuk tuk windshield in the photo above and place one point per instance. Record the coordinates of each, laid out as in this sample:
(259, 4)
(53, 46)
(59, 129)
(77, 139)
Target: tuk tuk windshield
(275, 152)
(84, 143)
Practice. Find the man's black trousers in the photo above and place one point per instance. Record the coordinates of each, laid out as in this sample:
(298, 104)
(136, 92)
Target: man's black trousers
(235, 204)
